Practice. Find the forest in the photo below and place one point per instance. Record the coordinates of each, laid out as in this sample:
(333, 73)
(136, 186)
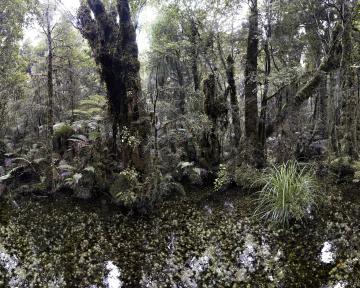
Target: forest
(179, 143)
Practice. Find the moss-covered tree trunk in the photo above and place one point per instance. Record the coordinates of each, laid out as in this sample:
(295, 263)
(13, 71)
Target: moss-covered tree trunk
(50, 104)
(235, 111)
(333, 115)
(263, 111)
(194, 55)
(348, 143)
(329, 63)
(255, 155)
(112, 37)
(181, 83)
(323, 109)
(210, 144)
(72, 89)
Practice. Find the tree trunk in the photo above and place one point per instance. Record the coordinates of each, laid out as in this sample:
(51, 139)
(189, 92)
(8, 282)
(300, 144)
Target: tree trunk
(50, 84)
(182, 95)
(194, 56)
(115, 49)
(329, 63)
(251, 89)
(210, 144)
(323, 109)
(235, 111)
(263, 111)
(71, 89)
(348, 87)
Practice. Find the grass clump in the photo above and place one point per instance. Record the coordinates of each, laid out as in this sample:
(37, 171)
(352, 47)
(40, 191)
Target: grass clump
(289, 192)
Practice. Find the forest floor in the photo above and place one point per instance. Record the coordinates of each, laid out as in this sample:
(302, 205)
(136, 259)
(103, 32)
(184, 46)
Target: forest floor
(202, 240)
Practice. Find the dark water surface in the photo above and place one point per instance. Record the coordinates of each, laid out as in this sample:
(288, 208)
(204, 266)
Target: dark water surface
(199, 241)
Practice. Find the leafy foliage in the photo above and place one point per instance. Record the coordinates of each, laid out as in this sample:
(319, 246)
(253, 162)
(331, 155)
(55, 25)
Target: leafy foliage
(91, 107)
(223, 178)
(126, 187)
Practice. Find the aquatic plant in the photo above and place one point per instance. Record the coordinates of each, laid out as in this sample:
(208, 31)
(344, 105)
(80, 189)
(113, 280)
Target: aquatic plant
(289, 192)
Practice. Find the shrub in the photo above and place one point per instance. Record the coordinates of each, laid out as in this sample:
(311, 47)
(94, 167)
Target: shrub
(132, 192)
(288, 193)
(244, 177)
(62, 132)
(345, 170)
(191, 172)
(126, 187)
(223, 178)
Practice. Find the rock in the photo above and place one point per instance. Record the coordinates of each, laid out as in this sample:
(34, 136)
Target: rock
(85, 186)
(20, 176)
(343, 169)
(319, 148)
(315, 150)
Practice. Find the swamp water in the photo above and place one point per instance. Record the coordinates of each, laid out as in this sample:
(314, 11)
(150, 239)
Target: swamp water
(199, 241)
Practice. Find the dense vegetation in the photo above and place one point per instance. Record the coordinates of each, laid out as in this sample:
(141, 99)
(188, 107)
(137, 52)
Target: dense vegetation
(248, 109)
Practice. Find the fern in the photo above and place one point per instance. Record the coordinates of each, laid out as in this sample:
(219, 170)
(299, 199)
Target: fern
(91, 107)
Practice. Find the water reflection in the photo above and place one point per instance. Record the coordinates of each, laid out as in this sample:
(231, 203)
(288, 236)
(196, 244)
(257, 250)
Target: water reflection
(341, 284)
(112, 280)
(11, 266)
(247, 257)
(9, 263)
(327, 254)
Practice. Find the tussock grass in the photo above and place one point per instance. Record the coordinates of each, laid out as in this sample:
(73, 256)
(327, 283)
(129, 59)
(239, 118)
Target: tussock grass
(289, 192)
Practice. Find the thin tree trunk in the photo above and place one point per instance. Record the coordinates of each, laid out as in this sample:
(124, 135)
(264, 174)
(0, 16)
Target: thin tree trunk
(50, 84)
(251, 89)
(194, 56)
(263, 111)
(323, 108)
(182, 95)
(349, 95)
(71, 90)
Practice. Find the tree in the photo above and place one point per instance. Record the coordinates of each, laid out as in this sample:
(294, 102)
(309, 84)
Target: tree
(348, 88)
(267, 68)
(45, 18)
(12, 76)
(251, 89)
(115, 50)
